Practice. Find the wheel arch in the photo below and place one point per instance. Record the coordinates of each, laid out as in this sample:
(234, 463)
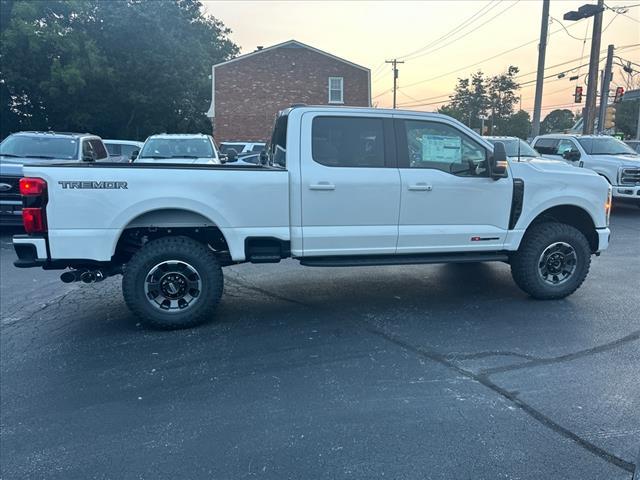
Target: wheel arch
(160, 222)
(573, 215)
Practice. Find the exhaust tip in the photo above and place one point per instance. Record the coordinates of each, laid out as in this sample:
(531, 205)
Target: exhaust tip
(88, 277)
(69, 277)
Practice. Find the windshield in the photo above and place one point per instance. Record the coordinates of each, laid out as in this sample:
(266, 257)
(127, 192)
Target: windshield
(511, 146)
(39, 147)
(605, 146)
(177, 148)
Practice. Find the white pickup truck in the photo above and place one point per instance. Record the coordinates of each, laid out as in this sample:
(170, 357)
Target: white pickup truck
(341, 187)
(615, 161)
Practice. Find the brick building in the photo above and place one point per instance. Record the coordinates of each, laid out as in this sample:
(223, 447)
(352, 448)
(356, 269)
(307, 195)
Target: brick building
(249, 90)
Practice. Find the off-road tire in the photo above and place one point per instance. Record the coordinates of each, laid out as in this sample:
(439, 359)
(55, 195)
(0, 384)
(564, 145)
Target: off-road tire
(525, 262)
(186, 250)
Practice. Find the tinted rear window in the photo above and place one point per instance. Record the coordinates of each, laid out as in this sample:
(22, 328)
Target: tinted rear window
(348, 141)
(546, 146)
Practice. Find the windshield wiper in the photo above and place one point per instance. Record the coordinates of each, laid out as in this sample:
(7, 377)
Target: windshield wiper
(46, 157)
(11, 155)
(153, 156)
(185, 156)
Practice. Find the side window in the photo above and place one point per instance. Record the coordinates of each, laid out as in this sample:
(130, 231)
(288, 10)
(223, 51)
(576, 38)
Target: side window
(98, 148)
(442, 147)
(114, 149)
(348, 141)
(546, 146)
(565, 146)
(257, 148)
(127, 150)
(336, 90)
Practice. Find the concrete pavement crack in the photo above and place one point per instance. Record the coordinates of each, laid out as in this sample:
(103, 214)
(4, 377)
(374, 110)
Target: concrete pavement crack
(564, 358)
(484, 380)
(490, 353)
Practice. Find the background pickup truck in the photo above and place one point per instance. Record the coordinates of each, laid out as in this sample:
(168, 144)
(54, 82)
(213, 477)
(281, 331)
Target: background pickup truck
(342, 187)
(616, 161)
(24, 148)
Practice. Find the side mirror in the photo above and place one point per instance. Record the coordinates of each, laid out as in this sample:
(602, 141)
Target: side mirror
(134, 155)
(89, 157)
(571, 155)
(264, 158)
(232, 155)
(498, 161)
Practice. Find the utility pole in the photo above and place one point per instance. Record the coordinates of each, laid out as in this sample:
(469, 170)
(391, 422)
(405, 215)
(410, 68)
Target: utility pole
(594, 60)
(542, 50)
(604, 90)
(395, 63)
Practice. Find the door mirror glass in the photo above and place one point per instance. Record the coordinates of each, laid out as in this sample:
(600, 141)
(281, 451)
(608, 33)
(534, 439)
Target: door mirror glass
(498, 161)
(232, 155)
(134, 155)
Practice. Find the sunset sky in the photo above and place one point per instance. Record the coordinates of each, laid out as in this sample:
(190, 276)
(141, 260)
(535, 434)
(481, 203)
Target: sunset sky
(368, 33)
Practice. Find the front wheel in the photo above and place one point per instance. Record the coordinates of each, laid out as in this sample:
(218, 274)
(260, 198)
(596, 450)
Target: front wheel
(173, 282)
(552, 262)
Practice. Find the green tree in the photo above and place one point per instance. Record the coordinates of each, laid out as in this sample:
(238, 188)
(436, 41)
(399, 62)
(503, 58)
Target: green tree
(557, 121)
(502, 98)
(515, 125)
(123, 69)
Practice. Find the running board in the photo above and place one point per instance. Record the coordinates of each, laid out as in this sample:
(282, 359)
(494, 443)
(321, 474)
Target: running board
(412, 259)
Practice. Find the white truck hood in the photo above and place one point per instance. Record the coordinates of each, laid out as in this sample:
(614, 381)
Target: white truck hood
(552, 166)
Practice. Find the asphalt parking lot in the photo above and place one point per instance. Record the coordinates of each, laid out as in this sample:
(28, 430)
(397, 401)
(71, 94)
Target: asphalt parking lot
(421, 372)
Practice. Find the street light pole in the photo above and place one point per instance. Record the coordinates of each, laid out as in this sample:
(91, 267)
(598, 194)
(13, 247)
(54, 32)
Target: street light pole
(542, 50)
(594, 60)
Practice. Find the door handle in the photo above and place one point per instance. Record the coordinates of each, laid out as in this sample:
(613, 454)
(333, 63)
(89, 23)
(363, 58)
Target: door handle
(420, 187)
(322, 186)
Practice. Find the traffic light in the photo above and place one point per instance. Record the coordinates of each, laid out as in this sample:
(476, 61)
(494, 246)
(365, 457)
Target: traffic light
(610, 118)
(619, 94)
(578, 95)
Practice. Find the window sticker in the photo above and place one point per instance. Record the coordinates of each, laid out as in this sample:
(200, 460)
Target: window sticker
(440, 148)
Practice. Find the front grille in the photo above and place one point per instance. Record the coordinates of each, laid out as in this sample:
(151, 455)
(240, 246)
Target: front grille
(630, 176)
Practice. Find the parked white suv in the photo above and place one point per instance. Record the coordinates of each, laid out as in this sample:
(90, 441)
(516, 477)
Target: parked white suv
(342, 187)
(181, 148)
(608, 156)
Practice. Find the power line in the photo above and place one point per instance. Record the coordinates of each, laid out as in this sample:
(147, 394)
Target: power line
(466, 34)
(454, 30)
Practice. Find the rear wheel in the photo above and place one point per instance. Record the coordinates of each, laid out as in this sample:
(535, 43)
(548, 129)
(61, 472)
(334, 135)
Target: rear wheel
(552, 262)
(173, 282)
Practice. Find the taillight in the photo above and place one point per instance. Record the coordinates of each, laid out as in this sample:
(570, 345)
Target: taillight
(34, 203)
(34, 220)
(30, 187)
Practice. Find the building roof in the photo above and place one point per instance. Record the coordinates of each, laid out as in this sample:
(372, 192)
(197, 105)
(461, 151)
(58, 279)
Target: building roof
(289, 43)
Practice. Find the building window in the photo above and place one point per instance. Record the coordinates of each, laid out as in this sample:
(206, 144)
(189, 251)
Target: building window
(336, 90)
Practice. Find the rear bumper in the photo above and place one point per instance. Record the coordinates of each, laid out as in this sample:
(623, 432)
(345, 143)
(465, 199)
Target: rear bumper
(604, 234)
(31, 251)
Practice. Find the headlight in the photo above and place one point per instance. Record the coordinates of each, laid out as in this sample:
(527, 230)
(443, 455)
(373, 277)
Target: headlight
(607, 206)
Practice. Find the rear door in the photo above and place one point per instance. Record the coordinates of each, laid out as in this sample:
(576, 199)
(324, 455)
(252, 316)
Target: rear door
(350, 184)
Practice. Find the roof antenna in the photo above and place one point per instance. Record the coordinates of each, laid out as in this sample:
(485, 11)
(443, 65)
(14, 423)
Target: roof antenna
(519, 140)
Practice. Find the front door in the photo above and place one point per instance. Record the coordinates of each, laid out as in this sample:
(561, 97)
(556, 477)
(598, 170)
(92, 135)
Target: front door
(448, 200)
(350, 185)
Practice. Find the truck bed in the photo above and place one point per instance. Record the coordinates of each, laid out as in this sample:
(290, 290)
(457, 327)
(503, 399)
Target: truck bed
(89, 205)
